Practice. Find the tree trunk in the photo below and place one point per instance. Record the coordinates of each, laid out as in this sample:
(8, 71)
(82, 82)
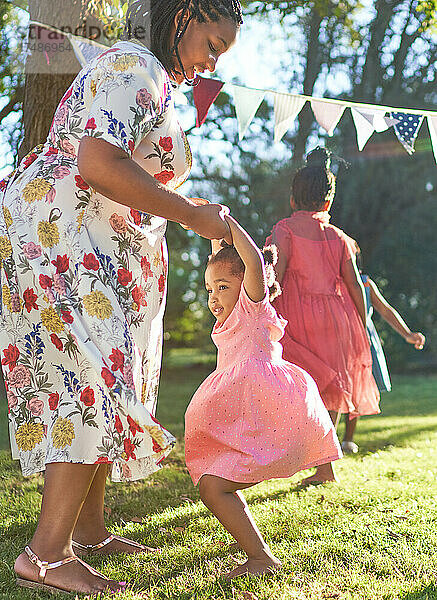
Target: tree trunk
(47, 79)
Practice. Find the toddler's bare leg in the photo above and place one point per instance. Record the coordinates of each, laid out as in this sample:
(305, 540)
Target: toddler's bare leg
(351, 425)
(324, 473)
(225, 501)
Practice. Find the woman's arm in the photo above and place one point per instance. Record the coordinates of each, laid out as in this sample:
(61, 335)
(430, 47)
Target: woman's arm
(393, 318)
(355, 287)
(250, 254)
(111, 172)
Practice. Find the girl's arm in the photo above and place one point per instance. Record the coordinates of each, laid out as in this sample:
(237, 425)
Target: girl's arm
(254, 276)
(393, 318)
(355, 287)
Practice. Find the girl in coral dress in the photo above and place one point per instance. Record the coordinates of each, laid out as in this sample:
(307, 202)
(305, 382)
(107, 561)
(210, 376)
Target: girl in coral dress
(323, 299)
(256, 417)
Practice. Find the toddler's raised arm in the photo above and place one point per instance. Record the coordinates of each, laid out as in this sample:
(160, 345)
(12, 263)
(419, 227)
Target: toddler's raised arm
(254, 276)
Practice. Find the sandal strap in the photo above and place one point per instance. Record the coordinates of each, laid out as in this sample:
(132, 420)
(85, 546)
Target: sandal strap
(45, 566)
(92, 547)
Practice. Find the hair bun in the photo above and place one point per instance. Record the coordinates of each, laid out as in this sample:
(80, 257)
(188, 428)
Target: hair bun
(319, 157)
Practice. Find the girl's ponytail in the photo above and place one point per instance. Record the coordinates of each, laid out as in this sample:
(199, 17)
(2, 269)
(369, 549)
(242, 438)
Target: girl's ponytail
(270, 254)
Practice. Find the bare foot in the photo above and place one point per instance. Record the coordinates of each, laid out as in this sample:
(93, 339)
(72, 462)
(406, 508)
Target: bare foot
(323, 474)
(118, 545)
(73, 577)
(255, 566)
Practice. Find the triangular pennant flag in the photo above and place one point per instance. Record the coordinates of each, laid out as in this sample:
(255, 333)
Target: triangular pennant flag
(205, 92)
(85, 50)
(287, 107)
(327, 114)
(407, 128)
(246, 102)
(432, 126)
(364, 126)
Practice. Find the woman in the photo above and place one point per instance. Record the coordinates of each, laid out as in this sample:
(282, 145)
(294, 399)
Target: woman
(84, 266)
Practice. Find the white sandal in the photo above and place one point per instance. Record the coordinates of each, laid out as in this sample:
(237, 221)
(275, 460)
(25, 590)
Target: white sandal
(91, 548)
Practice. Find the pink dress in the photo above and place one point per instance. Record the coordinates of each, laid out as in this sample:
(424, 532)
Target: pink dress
(256, 417)
(325, 335)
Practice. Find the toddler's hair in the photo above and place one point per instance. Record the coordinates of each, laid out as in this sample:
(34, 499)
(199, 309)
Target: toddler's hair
(229, 255)
(314, 184)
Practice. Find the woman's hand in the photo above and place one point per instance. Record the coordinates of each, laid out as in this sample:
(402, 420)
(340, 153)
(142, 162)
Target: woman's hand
(208, 221)
(416, 338)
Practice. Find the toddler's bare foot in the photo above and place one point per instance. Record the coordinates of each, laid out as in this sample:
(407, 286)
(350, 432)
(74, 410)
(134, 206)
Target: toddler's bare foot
(72, 577)
(253, 566)
(323, 474)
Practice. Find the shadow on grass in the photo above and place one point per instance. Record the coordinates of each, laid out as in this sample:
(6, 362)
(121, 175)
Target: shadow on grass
(427, 593)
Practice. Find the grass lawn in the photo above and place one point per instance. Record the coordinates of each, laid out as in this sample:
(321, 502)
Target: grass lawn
(372, 536)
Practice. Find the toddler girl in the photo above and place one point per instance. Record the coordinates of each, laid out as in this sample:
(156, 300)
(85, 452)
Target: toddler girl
(256, 417)
(323, 299)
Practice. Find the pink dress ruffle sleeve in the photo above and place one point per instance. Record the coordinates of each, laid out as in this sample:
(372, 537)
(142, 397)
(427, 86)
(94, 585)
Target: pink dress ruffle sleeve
(256, 417)
(325, 335)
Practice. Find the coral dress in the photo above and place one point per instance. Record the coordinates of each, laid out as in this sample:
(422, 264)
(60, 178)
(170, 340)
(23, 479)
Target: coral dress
(256, 417)
(84, 278)
(324, 335)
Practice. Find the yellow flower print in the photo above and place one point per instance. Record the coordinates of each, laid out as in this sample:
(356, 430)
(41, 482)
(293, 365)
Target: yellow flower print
(157, 434)
(123, 63)
(79, 219)
(156, 259)
(51, 320)
(97, 305)
(93, 87)
(7, 216)
(36, 189)
(48, 234)
(6, 294)
(62, 433)
(5, 246)
(29, 435)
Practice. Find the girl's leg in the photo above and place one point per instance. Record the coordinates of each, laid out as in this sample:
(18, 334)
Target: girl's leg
(225, 501)
(90, 526)
(66, 486)
(325, 472)
(351, 424)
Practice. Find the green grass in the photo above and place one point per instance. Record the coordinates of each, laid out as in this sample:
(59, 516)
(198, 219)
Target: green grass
(372, 536)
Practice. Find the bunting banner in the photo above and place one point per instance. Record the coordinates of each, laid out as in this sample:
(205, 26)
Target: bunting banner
(367, 118)
(247, 102)
(327, 115)
(286, 108)
(205, 93)
(407, 128)
(364, 127)
(432, 126)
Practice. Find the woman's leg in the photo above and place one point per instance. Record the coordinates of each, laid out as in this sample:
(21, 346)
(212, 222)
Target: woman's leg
(325, 472)
(225, 501)
(90, 526)
(66, 486)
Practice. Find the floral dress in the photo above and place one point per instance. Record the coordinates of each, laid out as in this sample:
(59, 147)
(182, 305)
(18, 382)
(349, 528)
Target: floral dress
(83, 278)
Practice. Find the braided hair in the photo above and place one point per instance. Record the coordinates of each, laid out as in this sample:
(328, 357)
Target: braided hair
(314, 184)
(228, 255)
(161, 18)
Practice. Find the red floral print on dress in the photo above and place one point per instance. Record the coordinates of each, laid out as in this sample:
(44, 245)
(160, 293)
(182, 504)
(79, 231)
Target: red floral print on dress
(91, 124)
(166, 144)
(81, 184)
(117, 358)
(87, 396)
(61, 263)
(139, 296)
(108, 377)
(53, 401)
(134, 428)
(56, 341)
(129, 448)
(124, 276)
(164, 177)
(30, 299)
(136, 216)
(90, 262)
(12, 354)
(45, 281)
(118, 424)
